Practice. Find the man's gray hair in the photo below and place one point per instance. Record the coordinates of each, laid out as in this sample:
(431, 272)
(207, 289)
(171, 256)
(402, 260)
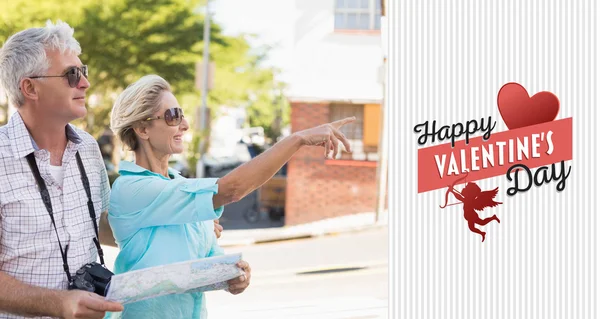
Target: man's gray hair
(24, 54)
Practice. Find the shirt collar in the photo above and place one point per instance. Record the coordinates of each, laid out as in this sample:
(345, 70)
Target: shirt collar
(22, 142)
(131, 168)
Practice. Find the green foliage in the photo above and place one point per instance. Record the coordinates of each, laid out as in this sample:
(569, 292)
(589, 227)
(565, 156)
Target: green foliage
(123, 40)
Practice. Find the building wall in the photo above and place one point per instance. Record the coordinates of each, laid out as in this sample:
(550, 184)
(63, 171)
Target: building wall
(318, 188)
(326, 64)
(322, 66)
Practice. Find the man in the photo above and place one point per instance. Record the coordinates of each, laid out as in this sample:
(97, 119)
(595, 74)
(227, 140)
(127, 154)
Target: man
(44, 78)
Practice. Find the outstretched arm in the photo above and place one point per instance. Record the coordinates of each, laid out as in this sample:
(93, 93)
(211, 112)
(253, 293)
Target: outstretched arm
(250, 176)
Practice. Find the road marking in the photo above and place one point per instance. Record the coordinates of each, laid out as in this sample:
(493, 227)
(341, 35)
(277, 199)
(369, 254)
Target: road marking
(278, 280)
(294, 271)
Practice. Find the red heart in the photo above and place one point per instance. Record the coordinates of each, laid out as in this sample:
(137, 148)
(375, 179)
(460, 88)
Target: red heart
(519, 110)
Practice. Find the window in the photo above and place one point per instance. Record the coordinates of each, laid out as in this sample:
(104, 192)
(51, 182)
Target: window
(358, 133)
(357, 14)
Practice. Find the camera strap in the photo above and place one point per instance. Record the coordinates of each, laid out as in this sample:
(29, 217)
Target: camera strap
(46, 199)
(90, 205)
(48, 204)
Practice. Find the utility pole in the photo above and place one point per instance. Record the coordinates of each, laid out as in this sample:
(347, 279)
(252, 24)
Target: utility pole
(205, 69)
(382, 167)
(201, 123)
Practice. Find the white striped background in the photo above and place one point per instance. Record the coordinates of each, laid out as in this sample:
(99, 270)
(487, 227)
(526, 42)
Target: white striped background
(447, 61)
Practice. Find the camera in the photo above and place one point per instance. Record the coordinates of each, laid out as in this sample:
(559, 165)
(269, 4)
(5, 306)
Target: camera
(92, 277)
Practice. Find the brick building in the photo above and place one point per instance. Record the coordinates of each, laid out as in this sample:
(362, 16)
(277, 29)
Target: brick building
(335, 71)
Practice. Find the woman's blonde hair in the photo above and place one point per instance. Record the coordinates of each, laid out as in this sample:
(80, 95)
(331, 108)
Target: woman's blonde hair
(139, 101)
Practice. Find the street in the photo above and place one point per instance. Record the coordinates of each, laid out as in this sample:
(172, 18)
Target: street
(332, 277)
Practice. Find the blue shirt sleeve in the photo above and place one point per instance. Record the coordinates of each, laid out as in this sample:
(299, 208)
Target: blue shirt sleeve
(214, 248)
(139, 202)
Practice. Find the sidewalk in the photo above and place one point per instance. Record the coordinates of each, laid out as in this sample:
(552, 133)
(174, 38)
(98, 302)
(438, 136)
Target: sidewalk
(331, 226)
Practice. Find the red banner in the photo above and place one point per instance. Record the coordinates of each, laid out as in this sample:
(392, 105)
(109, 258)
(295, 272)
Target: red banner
(533, 146)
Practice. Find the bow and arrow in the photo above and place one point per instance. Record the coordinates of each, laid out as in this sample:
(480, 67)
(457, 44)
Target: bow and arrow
(451, 188)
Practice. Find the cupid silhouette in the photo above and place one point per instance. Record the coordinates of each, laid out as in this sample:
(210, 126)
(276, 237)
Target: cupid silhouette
(473, 199)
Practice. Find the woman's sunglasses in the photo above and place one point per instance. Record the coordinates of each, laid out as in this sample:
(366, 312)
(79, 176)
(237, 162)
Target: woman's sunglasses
(173, 116)
(73, 75)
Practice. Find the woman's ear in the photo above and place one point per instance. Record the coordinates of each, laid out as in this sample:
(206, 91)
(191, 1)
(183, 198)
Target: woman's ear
(141, 130)
(28, 89)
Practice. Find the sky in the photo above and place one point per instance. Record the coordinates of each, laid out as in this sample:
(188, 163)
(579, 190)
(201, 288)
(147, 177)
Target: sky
(256, 17)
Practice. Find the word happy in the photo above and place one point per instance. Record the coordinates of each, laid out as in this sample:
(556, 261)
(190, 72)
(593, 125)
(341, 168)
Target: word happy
(455, 131)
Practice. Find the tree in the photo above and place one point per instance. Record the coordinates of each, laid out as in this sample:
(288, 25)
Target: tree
(125, 40)
(242, 80)
(122, 40)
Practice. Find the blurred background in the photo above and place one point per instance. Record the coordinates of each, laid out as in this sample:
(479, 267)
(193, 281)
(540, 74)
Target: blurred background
(247, 74)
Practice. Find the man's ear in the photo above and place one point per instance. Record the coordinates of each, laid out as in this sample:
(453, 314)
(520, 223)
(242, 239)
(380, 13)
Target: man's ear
(28, 89)
(141, 130)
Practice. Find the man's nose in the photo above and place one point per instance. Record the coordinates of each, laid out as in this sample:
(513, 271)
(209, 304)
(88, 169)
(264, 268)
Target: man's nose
(83, 83)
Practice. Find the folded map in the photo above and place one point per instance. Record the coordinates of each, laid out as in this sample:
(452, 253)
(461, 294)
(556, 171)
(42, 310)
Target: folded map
(197, 275)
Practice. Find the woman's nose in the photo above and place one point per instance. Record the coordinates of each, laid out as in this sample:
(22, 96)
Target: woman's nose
(184, 124)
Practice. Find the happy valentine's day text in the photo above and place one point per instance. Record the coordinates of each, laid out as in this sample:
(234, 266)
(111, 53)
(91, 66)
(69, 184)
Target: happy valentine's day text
(499, 152)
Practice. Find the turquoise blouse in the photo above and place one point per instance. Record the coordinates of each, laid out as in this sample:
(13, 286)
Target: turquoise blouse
(156, 221)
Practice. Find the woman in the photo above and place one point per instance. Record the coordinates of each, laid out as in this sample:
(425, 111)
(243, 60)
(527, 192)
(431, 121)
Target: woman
(157, 216)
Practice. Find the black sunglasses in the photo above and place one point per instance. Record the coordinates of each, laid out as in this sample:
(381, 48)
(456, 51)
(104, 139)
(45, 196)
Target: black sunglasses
(73, 75)
(173, 116)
